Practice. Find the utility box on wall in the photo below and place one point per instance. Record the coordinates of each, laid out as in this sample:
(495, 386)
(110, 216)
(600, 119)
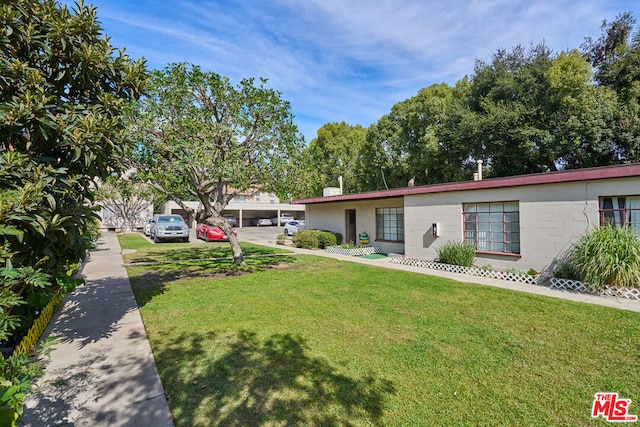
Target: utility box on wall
(435, 229)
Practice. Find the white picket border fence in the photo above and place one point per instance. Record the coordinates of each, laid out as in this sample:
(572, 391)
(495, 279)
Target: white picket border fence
(364, 250)
(577, 286)
(541, 279)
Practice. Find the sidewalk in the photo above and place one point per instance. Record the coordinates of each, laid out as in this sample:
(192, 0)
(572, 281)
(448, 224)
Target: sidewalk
(101, 371)
(608, 301)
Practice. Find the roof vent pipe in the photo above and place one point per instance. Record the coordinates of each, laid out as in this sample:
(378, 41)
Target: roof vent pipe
(479, 170)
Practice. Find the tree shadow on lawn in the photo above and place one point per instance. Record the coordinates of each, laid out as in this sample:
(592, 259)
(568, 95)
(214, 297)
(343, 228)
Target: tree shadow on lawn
(152, 280)
(190, 253)
(274, 380)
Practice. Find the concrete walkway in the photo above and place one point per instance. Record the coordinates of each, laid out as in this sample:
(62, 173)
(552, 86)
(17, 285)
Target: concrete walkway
(101, 371)
(608, 301)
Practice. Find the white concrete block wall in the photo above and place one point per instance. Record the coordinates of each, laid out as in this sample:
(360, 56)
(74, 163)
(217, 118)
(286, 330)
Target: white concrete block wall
(332, 216)
(552, 217)
(325, 217)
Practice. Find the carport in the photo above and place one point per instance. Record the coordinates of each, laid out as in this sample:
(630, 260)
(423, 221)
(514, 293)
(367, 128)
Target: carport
(245, 212)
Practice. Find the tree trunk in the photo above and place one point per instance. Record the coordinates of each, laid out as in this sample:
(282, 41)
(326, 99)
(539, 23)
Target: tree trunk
(238, 257)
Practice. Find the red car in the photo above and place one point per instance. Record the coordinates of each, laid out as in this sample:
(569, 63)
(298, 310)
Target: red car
(211, 233)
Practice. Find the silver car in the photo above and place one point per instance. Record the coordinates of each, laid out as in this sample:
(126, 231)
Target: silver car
(169, 227)
(231, 219)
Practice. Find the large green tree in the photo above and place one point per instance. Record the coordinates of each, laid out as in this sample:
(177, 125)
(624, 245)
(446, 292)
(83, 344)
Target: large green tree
(403, 145)
(581, 116)
(524, 111)
(63, 88)
(531, 111)
(334, 153)
(507, 99)
(615, 58)
(204, 136)
(614, 55)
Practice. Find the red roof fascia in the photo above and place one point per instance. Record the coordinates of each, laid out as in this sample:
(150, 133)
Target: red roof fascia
(607, 172)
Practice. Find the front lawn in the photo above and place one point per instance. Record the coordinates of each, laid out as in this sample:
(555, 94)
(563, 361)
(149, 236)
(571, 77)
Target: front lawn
(305, 340)
(144, 251)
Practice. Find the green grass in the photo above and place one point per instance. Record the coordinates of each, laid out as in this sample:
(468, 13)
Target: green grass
(315, 341)
(147, 252)
(133, 241)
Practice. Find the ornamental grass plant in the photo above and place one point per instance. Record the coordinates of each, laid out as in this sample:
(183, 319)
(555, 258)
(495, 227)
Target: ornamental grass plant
(457, 253)
(607, 256)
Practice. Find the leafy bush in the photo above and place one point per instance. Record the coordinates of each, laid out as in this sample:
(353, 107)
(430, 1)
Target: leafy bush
(607, 256)
(457, 253)
(92, 232)
(339, 238)
(17, 375)
(326, 238)
(564, 269)
(22, 291)
(49, 158)
(315, 239)
(281, 238)
(307, 239)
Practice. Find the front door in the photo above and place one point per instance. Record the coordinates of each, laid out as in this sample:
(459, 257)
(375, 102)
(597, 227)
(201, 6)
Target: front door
(350, 226)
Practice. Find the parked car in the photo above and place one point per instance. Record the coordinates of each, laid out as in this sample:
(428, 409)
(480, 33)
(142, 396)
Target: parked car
(147, 226)
(211, 233)
(284, 218)
(259, 222)
(232, 220)
(293, 227)
(169, 227)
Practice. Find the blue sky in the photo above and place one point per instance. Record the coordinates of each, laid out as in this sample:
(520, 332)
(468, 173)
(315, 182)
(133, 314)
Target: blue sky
(346, 60)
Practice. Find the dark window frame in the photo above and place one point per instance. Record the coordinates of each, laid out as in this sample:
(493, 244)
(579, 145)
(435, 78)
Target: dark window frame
(620, 211)
(492, 227)
(390, 224)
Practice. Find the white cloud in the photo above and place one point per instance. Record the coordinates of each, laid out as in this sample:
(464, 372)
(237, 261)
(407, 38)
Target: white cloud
(337, 60)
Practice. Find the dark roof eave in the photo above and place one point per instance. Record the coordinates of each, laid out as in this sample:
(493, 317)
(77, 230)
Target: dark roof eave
(605, 172)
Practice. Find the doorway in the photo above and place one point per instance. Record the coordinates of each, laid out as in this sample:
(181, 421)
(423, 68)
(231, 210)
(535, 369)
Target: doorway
(350, 226)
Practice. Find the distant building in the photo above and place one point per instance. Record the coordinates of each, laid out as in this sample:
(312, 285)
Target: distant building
(245, 208)
(111, 221)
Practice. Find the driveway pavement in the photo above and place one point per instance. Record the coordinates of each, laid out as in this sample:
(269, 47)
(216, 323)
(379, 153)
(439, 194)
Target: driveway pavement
(259, 234)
